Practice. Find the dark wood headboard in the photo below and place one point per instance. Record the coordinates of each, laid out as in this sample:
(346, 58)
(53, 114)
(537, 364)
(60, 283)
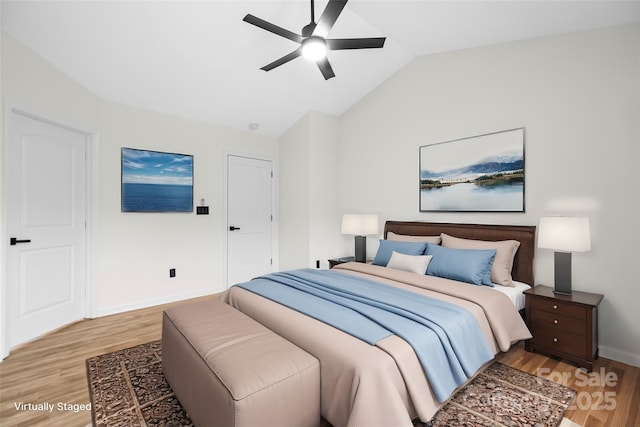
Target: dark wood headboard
(525, 234)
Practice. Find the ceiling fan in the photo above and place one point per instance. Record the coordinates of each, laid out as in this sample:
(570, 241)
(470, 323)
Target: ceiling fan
(313, 40)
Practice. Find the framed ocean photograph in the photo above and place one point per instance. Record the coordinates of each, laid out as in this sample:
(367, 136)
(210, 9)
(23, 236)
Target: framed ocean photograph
(483, 173)
(153, 181)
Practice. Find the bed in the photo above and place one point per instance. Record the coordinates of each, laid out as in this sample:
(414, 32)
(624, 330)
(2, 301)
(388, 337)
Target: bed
(385, 384)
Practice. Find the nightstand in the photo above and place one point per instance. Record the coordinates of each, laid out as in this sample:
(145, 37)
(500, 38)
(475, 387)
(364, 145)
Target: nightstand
(564, 326)
(335, 261)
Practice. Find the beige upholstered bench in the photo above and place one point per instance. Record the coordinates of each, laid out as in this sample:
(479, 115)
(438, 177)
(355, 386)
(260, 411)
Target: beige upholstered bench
(227, 370)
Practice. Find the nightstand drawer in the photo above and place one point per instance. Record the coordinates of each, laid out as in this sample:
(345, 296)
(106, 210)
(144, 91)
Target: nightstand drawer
(555, 306)
(555, 321)
(558, 340)
(563, 325)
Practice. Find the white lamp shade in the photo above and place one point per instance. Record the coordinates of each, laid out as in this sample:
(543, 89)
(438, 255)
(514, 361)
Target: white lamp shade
(359, 224)
(565, 234)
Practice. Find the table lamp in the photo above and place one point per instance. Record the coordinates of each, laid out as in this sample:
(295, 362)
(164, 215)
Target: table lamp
(564, 235)
(360, 225)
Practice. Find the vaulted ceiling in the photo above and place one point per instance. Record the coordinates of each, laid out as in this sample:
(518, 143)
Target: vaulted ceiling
(198, 59)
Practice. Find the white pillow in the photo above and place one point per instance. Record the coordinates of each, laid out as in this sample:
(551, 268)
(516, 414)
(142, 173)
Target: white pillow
(412, 263)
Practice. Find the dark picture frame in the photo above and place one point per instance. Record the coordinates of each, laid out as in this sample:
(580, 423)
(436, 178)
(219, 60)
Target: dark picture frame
(156, 181)
(483, 173)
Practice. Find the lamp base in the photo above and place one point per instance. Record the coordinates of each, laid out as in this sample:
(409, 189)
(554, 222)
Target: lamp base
(562, 272)
(361, 249)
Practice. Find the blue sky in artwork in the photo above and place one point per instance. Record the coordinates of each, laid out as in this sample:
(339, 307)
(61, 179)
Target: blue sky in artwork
(444, 159)
(153, 167)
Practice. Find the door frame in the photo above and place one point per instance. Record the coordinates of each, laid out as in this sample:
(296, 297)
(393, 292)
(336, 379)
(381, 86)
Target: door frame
(91, 163)
(274, 209)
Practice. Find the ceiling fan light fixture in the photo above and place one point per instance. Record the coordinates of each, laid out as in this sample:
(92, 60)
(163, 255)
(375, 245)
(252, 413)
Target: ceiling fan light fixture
(314, 48)
(313, 42)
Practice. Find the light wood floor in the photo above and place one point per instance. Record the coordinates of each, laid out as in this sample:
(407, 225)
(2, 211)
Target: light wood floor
(51, 369)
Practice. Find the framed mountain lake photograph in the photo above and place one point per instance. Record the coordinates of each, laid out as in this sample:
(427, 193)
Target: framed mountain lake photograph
(153, 181)
(483, 173)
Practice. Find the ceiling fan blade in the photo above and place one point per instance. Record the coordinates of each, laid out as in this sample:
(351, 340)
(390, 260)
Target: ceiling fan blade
(283, 60)
(325, 68)
(261, 23)
(367, 43)
(329, 17)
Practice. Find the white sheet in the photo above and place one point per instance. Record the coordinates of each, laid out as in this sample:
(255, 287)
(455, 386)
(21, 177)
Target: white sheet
(515, 294)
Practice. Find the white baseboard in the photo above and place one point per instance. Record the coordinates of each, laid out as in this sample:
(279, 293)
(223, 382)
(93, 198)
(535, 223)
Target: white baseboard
(107, 311)
(620, 355)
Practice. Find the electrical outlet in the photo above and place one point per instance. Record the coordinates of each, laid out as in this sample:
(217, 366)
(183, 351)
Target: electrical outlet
(172, 272)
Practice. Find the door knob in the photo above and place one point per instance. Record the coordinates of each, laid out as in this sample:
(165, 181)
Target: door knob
(232, 228)
(14, 240)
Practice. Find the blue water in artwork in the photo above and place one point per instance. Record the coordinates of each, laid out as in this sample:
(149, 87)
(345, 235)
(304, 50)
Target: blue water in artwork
(467, 196)
(157, 198)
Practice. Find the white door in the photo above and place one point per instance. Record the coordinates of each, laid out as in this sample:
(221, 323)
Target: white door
(249, 218)
(46, 194)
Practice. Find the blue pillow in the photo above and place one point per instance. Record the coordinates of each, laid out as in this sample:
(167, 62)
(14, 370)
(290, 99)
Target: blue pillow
(464, 265)
(387, 247)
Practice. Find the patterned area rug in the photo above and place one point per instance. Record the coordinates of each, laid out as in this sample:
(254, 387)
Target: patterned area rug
(503, 396)
(127, 388)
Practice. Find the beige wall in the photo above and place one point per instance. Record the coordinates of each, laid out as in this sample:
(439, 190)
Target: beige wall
(578, 96)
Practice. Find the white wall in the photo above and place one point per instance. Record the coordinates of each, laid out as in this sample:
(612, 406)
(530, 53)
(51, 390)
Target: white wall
(133, 252)
(323, 216)
(295, 209)
(578, 96)
(29, 81)
(308, 192)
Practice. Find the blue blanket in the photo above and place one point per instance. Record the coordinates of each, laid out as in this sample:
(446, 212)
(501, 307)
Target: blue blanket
(446, 338)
